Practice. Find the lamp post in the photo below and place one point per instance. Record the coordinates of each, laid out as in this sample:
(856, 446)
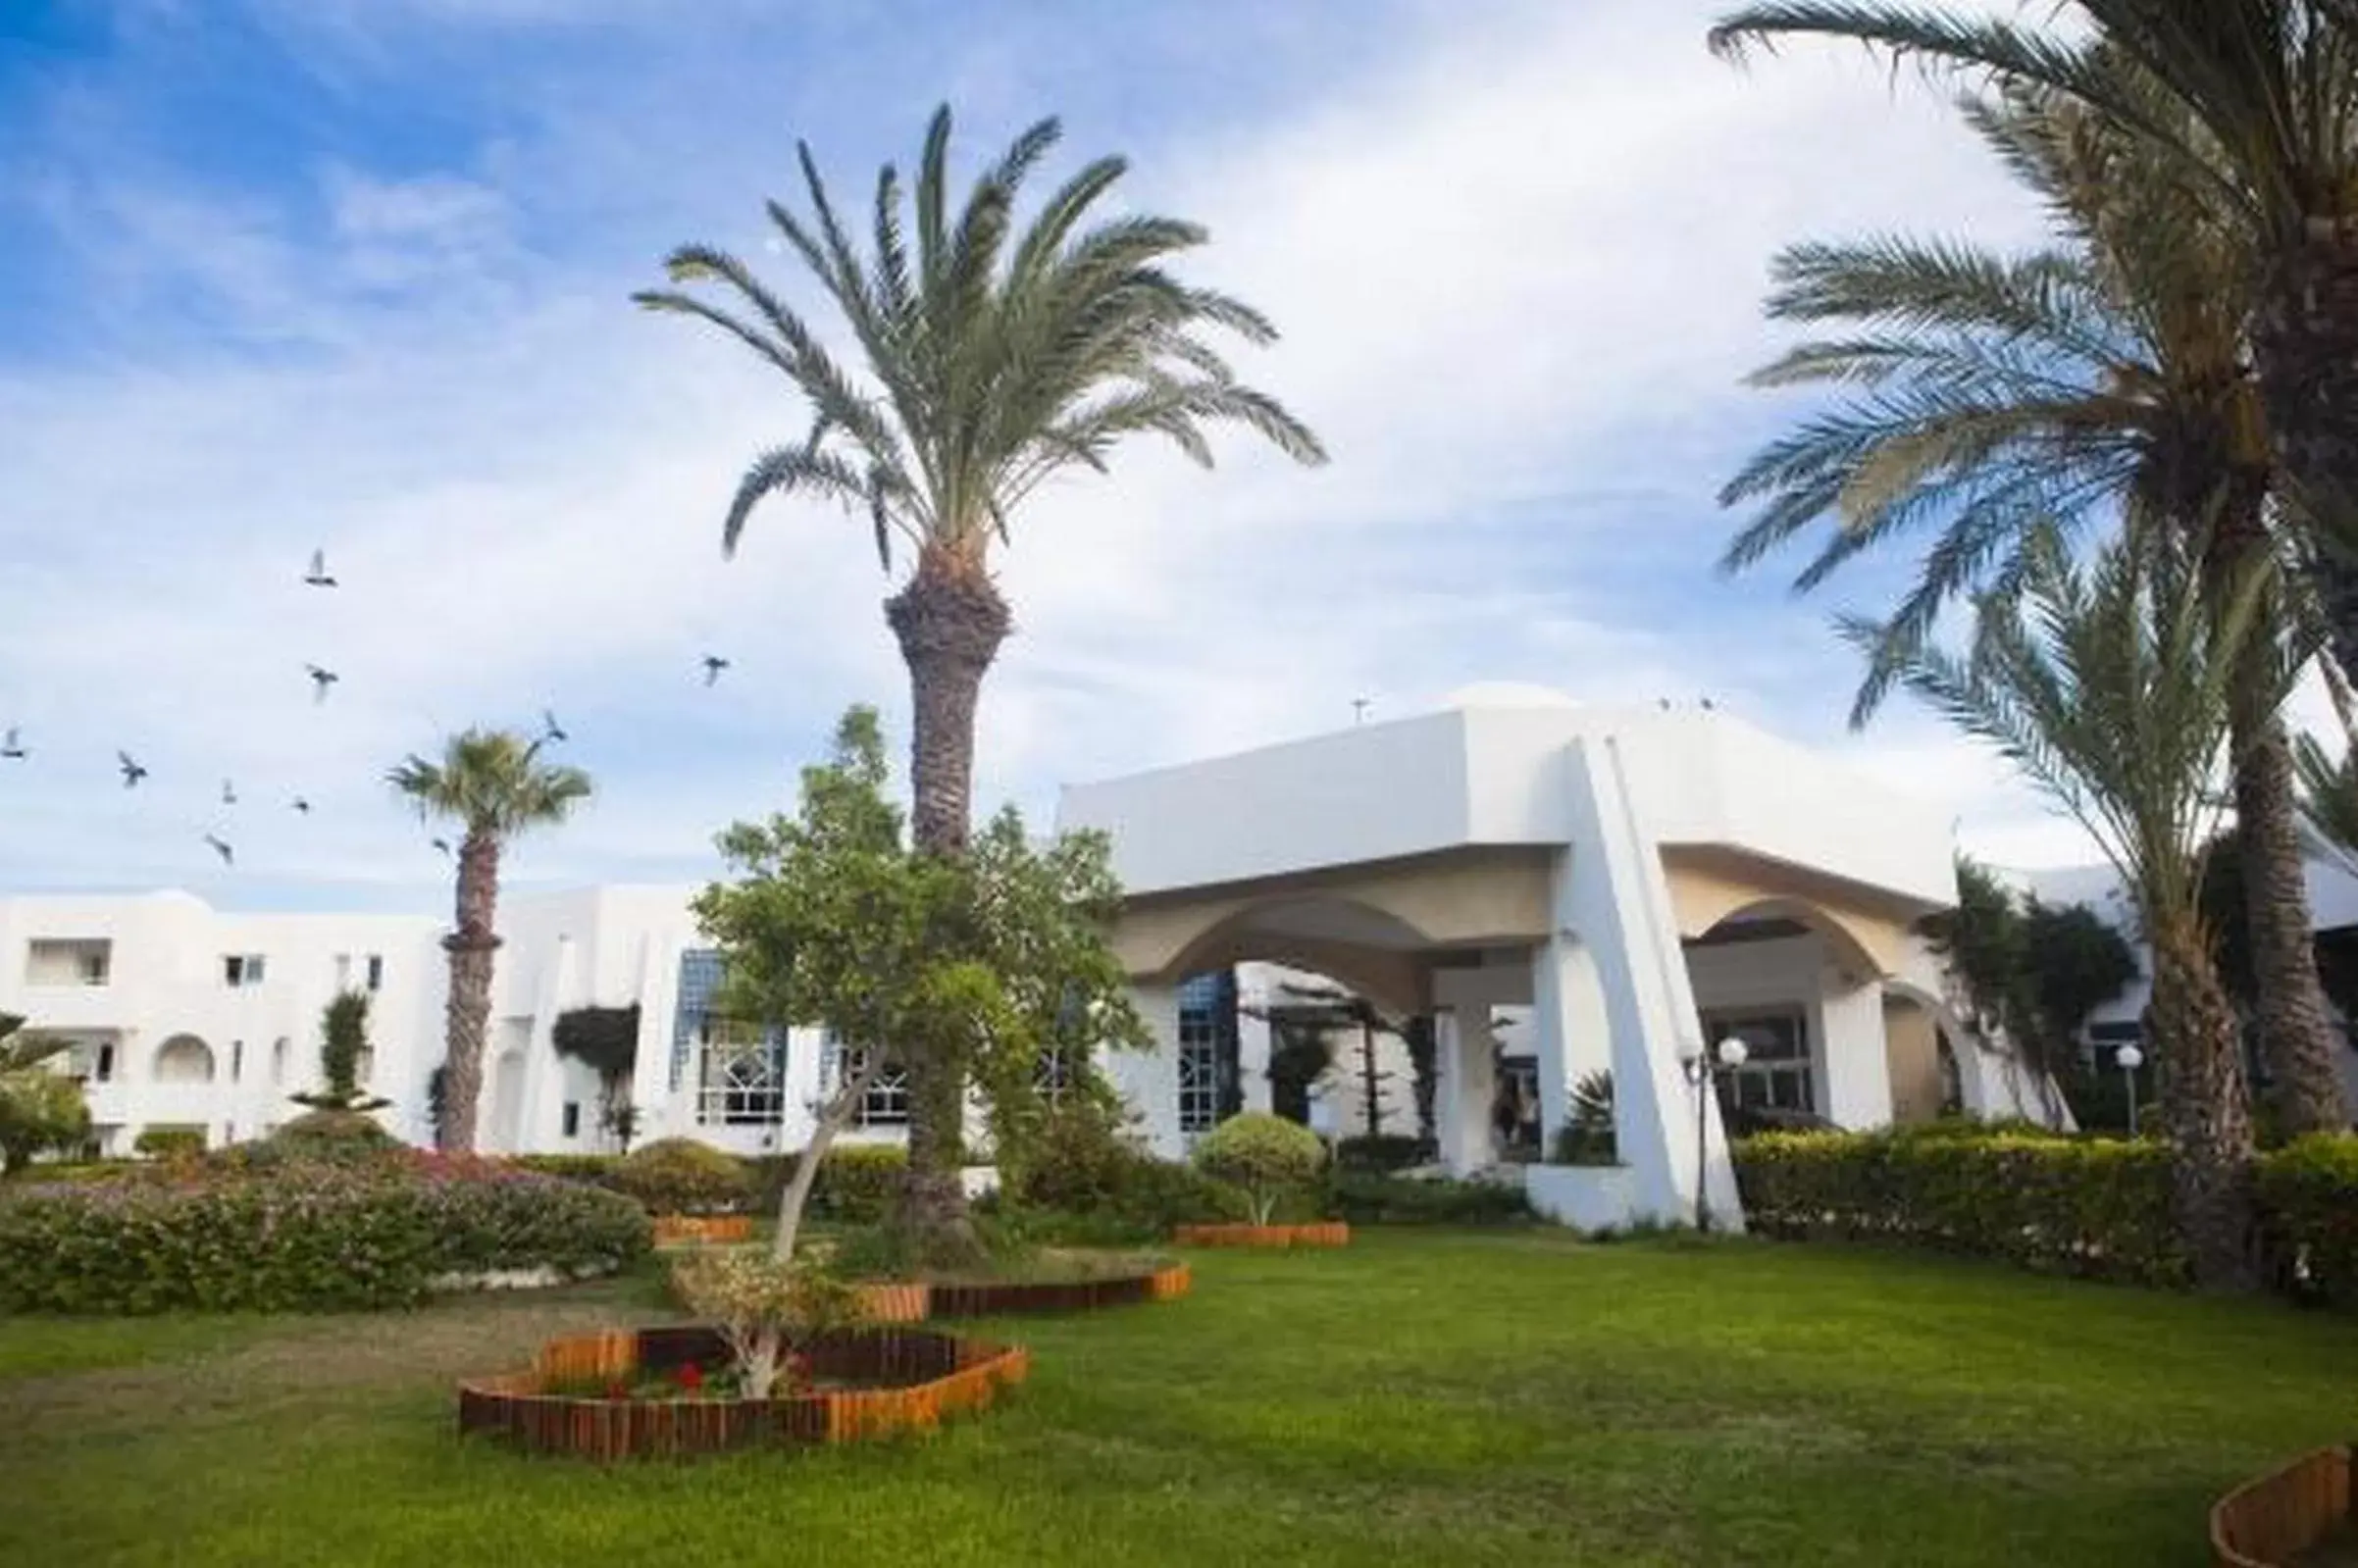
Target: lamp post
(2128, 1059)
(1700, 1070)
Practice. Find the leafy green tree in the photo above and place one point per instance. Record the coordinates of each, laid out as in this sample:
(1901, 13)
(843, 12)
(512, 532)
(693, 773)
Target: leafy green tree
(493, 785)
(2100, 377)
(2109, 687)
(977, 966)
(996, 358)
(1267, 1155)
(40, 1110)
(343, 1039)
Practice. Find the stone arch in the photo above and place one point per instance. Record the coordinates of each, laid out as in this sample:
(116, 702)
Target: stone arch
(1369, 950)
(1864, 935)
(183, 1059)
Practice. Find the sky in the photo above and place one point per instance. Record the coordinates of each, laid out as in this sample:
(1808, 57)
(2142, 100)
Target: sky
(354, 275)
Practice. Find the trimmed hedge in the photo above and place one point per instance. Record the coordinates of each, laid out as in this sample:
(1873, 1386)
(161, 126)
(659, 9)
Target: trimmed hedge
(1383, 1152)
(1365, 1198)
(318, 1236)
(2309, 1202)
(2099, 1208)
(681, 1176)
(170, 1142)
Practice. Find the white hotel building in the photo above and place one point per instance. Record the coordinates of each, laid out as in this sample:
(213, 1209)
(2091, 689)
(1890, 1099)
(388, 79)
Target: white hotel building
(1561, 888)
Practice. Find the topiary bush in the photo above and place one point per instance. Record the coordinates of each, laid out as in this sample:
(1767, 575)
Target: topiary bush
(2086, 1206)
(328, 1135)
(681, 1176)
(170, 1142)
(300, 1237)
(1268, 1156)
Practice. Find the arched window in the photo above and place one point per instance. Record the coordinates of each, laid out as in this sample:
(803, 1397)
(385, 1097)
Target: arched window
(184, 1059)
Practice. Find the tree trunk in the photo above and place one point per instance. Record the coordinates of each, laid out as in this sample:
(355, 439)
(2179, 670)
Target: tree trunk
(470, 946)
(2305, 344)
(949, 624)
(2199, 1055)
(2296, 1034)
(834, 1116)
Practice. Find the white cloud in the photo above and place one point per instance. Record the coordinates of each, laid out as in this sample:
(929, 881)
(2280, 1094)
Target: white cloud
(1518, 268)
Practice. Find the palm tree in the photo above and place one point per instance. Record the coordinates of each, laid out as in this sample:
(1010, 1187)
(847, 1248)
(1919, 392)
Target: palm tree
(1990, 396)
(2111, 689)
(2254, 103)
(993, 360)
(494, 785)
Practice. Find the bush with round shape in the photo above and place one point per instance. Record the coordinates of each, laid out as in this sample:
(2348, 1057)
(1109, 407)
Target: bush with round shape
(1268, 1156)
(300, 1237)
(681, 1176)
(331, 1134)
(170, 1142)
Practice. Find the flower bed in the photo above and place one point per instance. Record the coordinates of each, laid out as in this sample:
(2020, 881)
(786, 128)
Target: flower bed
(868, 1384)
(898, 1303)
(1325, 1233)
(714, 1229)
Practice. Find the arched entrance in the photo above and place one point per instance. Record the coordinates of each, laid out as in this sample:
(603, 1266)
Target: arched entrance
(183, 1059)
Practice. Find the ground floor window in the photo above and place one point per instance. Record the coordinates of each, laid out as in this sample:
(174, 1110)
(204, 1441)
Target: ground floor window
(886, 1103)
(1776, 1073)
(1199, 1031)
(742, 1079)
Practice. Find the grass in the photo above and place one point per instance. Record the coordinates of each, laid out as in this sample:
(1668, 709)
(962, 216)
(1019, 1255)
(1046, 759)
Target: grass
(1441, 1397)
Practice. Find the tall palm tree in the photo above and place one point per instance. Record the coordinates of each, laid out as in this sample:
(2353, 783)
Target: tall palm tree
(2110, 690)
(493, 785)
(2255, 103)
(2102, 377)
(994, 359)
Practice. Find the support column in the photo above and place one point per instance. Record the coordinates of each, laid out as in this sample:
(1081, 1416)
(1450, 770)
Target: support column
(1465, 1072)
(1149, 1080)
(1854, 1058)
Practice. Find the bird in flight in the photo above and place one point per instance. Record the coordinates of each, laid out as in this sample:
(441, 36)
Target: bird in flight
(301, 805)
(229, 856)
(229, 793)
(133, 773)
(551, 730)
(321, 681)
(12, 746)
(444, 844)
(714, 664)
(318, 577)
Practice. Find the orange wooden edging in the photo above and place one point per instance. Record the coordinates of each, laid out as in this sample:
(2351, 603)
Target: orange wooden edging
(913, 1303)
(925, 1376)
(2270, 1522)
(1328, 1233)
(718, 1229)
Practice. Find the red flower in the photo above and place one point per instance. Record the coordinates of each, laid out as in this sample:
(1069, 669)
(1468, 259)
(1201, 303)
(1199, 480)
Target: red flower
(691, 1377)
(616, 1389)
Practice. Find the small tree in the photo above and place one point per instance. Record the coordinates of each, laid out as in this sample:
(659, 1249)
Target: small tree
(989, 960)
(39, 1111)
(605, 1039)
(1267, 1155)
(343, 1039)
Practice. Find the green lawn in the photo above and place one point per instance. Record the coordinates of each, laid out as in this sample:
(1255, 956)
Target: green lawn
(1451, 1399)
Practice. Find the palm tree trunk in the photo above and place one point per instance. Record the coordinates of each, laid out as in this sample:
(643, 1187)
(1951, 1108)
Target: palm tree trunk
(2199, 1054)
(470, 946)
(2296, 1033)
(2305, 344)
(949, 624)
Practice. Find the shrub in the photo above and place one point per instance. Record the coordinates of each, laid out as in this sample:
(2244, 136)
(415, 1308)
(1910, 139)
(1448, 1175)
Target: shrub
(170, 1142)
(1365, 1198)
(766, 1307)
(1084, 1181)
(2309, 1199)
(1267, 1155)
(328, 1135)
(859, 1183)
(299, 1236)
(2093, 1207)
(681, 1176)
(598, 1169)
(1382, 1151)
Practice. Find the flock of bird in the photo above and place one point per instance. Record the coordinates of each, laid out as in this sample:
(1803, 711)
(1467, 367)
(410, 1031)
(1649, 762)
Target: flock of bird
(323, 681)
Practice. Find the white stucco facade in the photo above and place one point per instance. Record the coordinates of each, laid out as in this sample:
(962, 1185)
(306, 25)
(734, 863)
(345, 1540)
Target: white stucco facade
(1560, 890)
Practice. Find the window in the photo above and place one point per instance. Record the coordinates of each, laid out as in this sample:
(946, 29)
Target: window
(1776, 1073)
(94, 968)
(742, 1077)
(1053, 1076)
(278, 1060)
(1199, 1054)
(106, 1063)
(572, 1118)
(376, 972)
(236, 1061)
(68, 961)
(241, 970)
(887, 1101)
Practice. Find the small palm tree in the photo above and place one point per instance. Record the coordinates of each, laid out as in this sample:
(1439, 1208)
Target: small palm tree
(2098, 379)
(2110, 688)
(2255, 105)
(995, 360)
(494, 785)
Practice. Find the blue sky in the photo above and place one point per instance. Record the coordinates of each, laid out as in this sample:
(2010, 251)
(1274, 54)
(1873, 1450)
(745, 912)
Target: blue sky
(353, 273)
